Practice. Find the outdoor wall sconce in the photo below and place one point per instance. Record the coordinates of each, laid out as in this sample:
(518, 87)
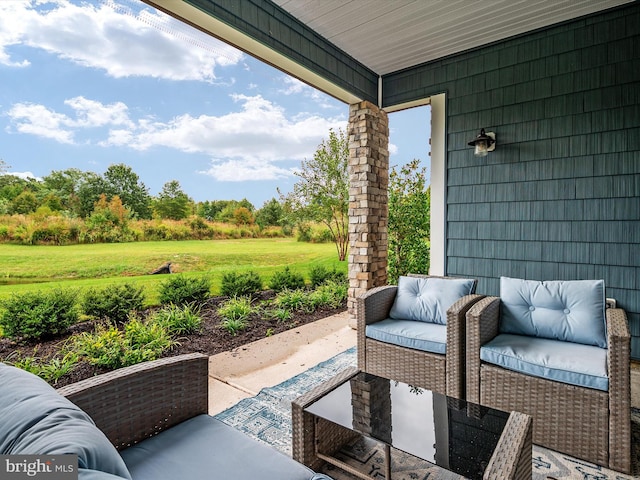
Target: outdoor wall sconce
(484, 143)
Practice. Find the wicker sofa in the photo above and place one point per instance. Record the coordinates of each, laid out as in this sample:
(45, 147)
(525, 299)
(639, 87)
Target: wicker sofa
(151, 420)
(576, 390)
(394, 346)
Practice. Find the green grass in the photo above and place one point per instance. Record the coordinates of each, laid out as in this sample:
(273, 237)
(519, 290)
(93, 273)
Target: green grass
(26, 268)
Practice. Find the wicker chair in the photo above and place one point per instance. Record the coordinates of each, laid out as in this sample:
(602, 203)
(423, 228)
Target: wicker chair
(436, 372)
(586, 423)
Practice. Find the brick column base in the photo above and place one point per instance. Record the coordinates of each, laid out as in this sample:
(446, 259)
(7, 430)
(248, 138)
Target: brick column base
(368, 206)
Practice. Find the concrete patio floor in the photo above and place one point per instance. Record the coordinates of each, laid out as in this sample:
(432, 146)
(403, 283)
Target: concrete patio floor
(243, 372)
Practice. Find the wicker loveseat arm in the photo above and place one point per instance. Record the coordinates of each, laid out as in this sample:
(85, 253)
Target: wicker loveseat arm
(375, 304)
(618, 360)
(137, 402)
(482, 325)
(456, 344)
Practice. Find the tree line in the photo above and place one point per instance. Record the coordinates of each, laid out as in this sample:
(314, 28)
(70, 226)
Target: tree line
(321, 195)
(81, 194)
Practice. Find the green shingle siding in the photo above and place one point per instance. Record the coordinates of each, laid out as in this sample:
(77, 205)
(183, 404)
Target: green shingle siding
(267, 23)
(560, 197)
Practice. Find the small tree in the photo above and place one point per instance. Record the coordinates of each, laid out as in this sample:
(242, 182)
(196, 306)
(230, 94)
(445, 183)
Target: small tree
(242, 216)
(322, 193)
(121, 180)
(24, 203)
(172, 202)
(409, 221)
(271, 214)
(109, 221)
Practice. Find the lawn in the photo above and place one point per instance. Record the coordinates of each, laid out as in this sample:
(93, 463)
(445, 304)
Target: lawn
(25, 268)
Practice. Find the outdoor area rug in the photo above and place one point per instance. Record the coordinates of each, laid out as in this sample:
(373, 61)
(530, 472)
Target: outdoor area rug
(267, 418)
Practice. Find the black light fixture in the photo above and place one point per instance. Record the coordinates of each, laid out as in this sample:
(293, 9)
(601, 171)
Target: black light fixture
(484, 143)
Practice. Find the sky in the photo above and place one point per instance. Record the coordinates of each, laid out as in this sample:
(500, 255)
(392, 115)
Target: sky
(88, 84)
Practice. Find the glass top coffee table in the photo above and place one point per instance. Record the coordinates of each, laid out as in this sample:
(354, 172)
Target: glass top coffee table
(455, 436)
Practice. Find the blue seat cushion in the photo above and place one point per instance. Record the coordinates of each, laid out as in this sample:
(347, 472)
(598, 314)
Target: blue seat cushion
(204, 448)
(428, 299)
(37, 420)
(572, 363)
(571, 311)
(428, 337)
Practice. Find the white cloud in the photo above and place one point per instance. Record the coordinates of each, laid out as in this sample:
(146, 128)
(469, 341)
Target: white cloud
(241, 171)
(40, 121)
(122, 37)
(23, 175)
(293, 86)
(244, 144)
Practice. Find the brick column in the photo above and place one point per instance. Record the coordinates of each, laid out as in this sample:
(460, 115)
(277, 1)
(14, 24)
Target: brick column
(368, 206)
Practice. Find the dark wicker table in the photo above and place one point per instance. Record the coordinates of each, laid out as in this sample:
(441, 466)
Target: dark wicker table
(458, 437)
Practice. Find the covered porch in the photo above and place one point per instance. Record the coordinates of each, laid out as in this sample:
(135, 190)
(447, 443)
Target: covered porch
(556, 82)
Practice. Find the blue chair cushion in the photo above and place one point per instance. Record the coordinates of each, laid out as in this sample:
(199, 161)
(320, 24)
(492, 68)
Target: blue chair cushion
(572, 363)
(428, 337)
(204, 448)
(428, 299)
(571, 311)
(36, 420)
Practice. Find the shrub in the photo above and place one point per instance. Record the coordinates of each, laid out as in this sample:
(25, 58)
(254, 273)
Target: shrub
(236, 308)
(234, 326)
(331, 295)
(240, 284)
(304, 233)
(320, 274)
(146, 341)
(114, 302)
(280, 314)
(181, 290)
(178, 320)
(286, 279)
(291, 299)
(39, 314)
(50, 371)
(115, 348)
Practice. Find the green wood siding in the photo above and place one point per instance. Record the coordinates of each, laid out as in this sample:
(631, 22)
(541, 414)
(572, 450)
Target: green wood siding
(267, 23)
(560, 196)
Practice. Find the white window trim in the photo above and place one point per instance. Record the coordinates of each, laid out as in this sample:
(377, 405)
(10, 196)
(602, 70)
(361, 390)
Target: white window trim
(438, 185)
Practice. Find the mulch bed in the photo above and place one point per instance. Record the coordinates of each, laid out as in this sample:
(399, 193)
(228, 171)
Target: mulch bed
(210, 340)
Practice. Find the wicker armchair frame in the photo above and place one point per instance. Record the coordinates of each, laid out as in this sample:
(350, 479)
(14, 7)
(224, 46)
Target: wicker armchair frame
(138, 402)
(585, 423)
(440, 373)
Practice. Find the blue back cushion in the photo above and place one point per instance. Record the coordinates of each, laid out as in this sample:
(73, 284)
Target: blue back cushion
(571, 311)
(428, 299)
(36, 420)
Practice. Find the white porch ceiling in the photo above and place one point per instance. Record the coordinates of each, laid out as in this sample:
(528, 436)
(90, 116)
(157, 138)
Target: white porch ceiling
(390, 35)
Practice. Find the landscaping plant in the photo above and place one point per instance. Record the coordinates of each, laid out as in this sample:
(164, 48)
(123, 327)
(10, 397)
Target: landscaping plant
(235, 313)
(115, 348)
(286, 279)
(178, 320)
(181, 290)
(319, 274)
(39, 314)
(291, 299)
(115, 302)
(235, 284)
